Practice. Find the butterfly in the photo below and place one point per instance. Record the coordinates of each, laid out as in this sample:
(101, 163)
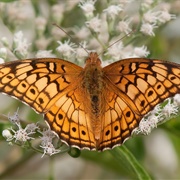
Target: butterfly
(92, 108)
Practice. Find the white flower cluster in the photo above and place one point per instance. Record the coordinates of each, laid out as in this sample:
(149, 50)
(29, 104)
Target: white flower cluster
(101, 28)
(160, 114)
(47, 142)
(20, 135)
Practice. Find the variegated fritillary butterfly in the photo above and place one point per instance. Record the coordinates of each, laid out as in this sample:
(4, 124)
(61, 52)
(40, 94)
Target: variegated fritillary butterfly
(91, 107)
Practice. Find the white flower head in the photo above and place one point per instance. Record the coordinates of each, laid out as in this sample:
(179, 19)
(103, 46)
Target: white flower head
(57, 11)
(112, 11)
(66, 49)
(147, 29)
(44, 54)
(165, 16)
(170, 109)
(177, 99)
(5, 41)
(157, 109)
(47, 136)
(1, 60)
(141, 51)
(81, 33)
(22, 135)
(49, 149)
(20, 44)
(31, 127)
(42, 42)
(7, 134)
(3, 53)
(146, 125)
(80, 52)
(115, 50)
(14, 118)
(40, 24)
(150, 17)
(88, 7)
(123, 26)
(94, 24)
(146, 4)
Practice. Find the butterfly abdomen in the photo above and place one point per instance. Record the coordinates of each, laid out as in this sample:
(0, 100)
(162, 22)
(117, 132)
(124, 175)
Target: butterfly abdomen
(93, 85)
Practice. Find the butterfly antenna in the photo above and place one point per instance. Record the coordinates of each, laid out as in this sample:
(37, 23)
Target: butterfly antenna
(70, 36)
(117, 41)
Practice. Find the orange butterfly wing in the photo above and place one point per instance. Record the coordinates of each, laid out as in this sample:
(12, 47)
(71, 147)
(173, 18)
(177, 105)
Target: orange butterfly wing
(51, 87)
(134, 87)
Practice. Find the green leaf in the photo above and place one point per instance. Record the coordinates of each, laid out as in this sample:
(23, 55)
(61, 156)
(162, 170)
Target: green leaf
(124, 157)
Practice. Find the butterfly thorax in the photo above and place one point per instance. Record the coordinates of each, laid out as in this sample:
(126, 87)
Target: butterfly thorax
(94, 85)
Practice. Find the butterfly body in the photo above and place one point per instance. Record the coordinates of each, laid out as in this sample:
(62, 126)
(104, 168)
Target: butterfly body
(93, 86)
(91, 108)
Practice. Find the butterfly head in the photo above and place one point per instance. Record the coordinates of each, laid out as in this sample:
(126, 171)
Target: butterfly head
(93, 58)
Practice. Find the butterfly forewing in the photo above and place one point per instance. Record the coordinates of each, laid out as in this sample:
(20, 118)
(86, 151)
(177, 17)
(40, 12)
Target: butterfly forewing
(37, 82)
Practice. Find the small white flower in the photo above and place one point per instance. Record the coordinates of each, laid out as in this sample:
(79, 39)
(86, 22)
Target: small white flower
(94, 24)
(49, 149)
(44, 54)
(80, 52)
(42, 43)
(146, 3)
(17, 13)
(20, 45)
(57, 12)
(66, 49)
(146, 125)
(123, 26)
(81, 33)
(5, 41)
(19, 37)
(7, 134)
(40, 24)
(112, 11)
(14, 118)
(177, 99)
(21, 134)
(115, 50)
(147, 29)
(150, 17)
(1, 60)
(49, 133)
(165, 16)
(170, 109)
(140, 51)
(31, 127)
(3, 53)
(87, 7)
(157, 109)
(47, 136)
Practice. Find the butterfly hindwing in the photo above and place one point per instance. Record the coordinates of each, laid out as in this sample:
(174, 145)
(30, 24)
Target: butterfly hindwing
(69, 119)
